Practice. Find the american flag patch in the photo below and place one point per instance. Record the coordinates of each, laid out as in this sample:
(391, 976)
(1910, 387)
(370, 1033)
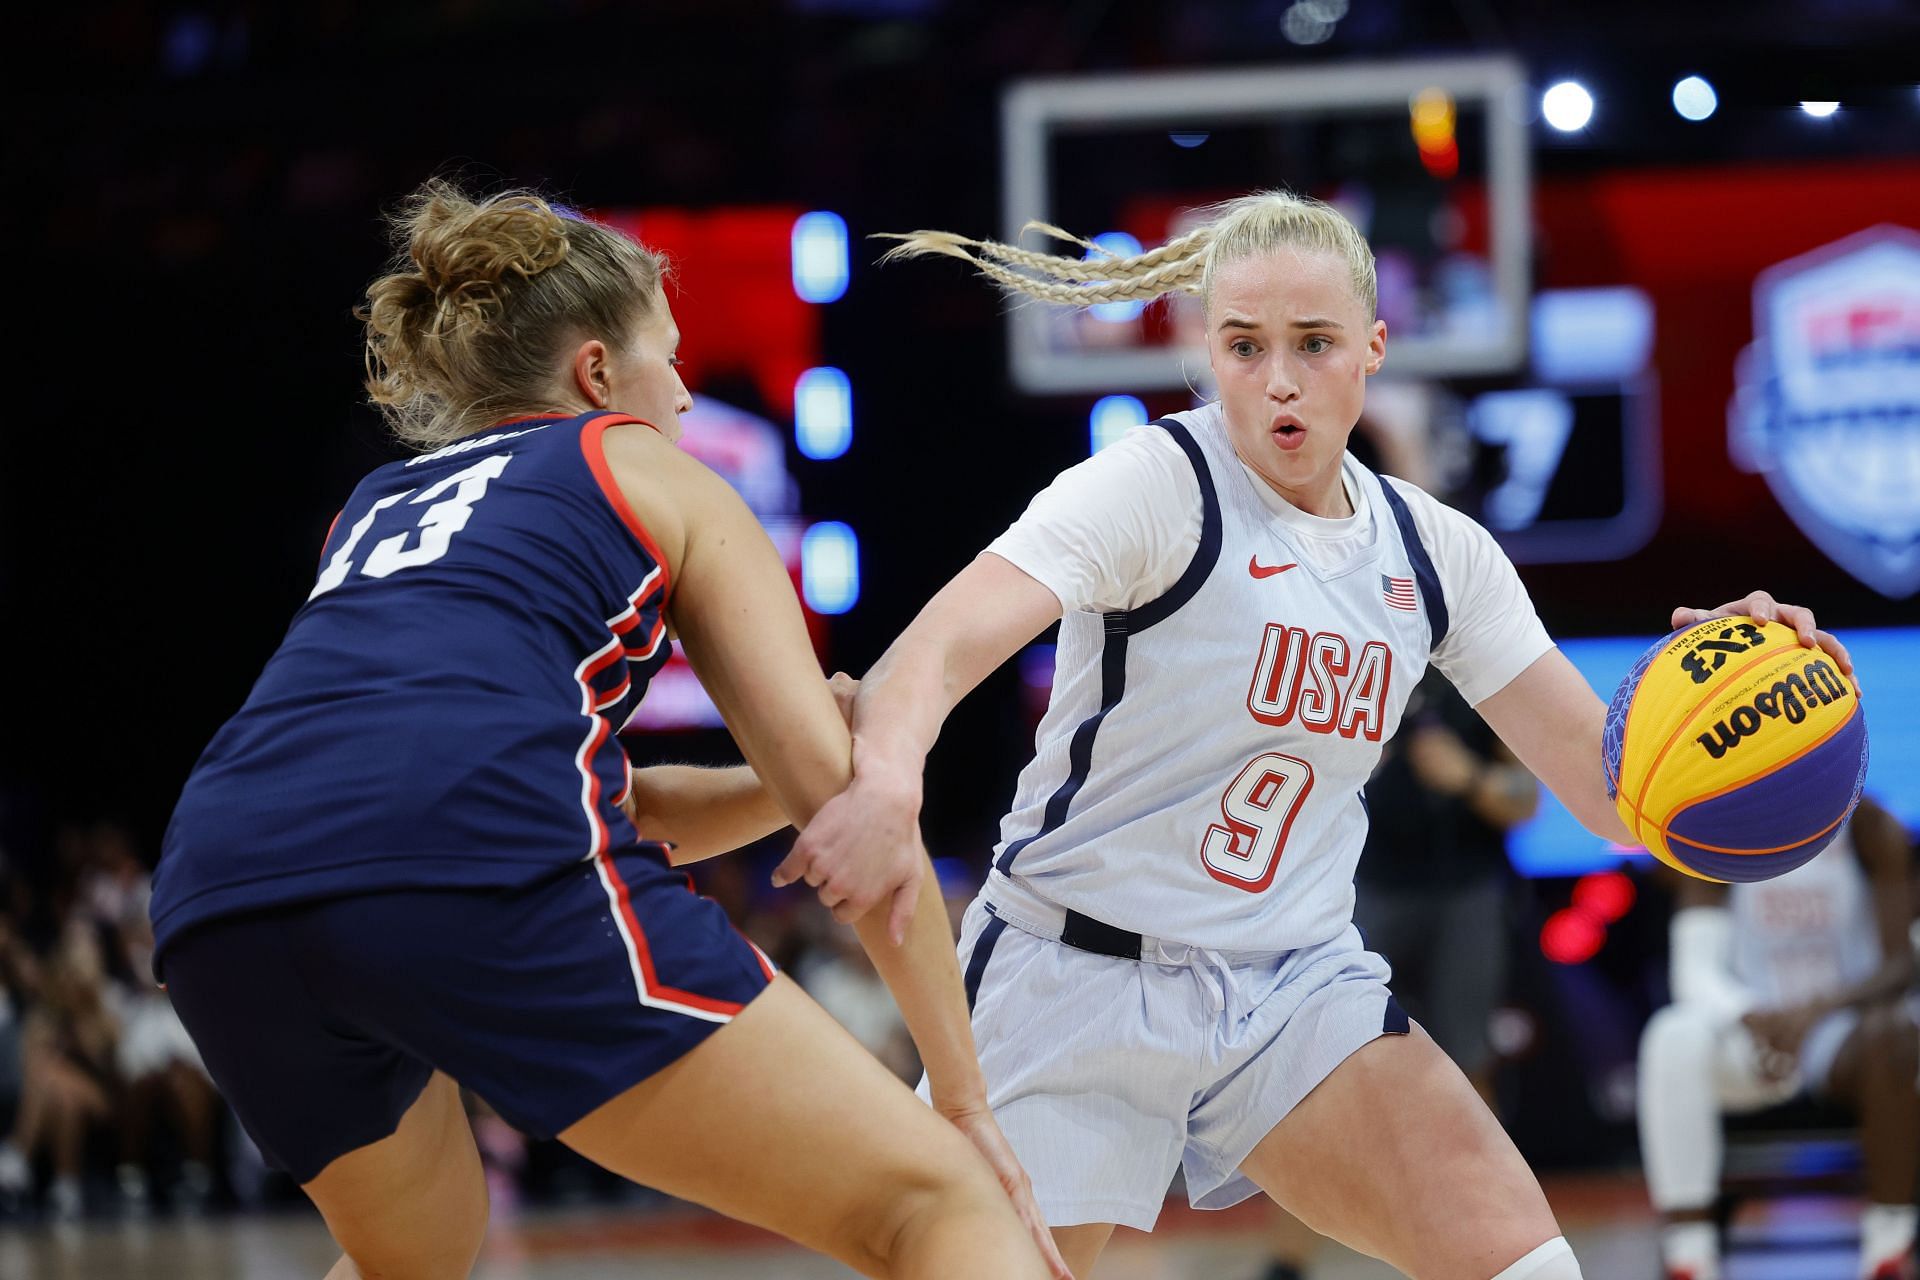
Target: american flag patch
(1398, 593)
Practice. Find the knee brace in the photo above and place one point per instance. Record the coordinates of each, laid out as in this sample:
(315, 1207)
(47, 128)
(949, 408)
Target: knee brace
(1553, 1260)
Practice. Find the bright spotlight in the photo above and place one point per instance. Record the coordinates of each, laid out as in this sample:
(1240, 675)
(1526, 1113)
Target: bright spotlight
(1113, 417)
(830, 567)
(1694, 98)
(1567, 106)
(1819, 110)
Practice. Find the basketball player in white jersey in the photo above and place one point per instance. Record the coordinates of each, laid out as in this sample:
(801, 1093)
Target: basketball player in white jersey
(1797, 984)
(1162, 962)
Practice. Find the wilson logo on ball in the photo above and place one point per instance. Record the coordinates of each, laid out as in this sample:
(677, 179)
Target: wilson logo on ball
(1818, 685)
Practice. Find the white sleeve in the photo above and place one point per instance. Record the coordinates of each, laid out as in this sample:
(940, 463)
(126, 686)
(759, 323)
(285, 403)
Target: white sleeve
(1493, 632)
(1115, 531)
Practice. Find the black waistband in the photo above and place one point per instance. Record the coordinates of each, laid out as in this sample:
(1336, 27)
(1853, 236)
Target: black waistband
(1089, 934)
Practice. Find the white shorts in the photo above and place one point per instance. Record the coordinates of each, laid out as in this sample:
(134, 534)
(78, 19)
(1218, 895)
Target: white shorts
(1741, 1082)
(1106, 1073)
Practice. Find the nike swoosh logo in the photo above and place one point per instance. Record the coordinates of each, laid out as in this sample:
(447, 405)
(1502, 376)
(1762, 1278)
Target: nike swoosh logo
(1259, 570)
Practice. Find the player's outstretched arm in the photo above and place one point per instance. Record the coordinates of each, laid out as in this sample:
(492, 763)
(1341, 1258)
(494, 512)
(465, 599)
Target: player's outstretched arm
(975, 623)
(703, 812)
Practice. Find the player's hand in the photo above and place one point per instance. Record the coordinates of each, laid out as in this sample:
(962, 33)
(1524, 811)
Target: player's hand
(1762, 607)
(1782, 1031)
(978, 1125)
(862, 849)
(1441, 761)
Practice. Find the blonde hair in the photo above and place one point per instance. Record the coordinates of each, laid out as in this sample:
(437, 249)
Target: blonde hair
(468, 326)
(1231, 231)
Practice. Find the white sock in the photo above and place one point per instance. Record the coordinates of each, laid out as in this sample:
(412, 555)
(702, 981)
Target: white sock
(1553, 1260)
(1679, 1111)
(1886, 1233)
(1691, 1248)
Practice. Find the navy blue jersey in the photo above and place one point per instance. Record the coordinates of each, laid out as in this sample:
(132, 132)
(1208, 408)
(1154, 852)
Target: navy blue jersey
(443, 711)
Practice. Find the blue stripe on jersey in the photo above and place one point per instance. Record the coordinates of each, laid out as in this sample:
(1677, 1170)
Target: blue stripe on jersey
(1423, 573)
(1210, 536)
(1113, 685)
(982, 952)
(1113, 655)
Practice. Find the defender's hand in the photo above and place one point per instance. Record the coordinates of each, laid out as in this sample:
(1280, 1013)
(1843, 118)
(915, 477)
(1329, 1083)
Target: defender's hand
(861, 849)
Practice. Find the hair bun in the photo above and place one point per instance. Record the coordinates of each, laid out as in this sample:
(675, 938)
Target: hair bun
(480, 297)
(468, 254)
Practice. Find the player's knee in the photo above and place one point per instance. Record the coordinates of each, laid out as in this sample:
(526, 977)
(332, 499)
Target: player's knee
(920, 1203)
(457, 1233)
(1553, 1260)
(1676, 1038)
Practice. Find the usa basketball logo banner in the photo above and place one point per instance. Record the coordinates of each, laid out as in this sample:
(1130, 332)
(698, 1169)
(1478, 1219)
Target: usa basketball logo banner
(1398, 592)
(1827, 401)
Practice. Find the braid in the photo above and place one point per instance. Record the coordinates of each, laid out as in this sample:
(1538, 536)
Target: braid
(1174, 267)
(1240, 228)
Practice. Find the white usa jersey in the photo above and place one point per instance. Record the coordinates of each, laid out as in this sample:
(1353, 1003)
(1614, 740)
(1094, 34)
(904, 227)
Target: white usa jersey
(1199, 774)
(1808, 933)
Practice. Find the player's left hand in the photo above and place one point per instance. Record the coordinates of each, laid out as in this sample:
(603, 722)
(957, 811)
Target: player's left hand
(978, 1125)
(1762, 607)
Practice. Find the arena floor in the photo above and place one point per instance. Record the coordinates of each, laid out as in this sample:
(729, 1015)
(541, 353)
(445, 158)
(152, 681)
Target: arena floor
(1606, 1218)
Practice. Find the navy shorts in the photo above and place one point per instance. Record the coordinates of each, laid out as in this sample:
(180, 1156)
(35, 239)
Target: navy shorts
(321, 1022)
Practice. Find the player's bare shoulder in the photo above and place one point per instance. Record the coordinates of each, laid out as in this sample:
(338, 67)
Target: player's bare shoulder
(666, 486)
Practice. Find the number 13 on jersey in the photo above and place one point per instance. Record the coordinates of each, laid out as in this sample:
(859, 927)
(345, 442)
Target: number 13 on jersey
(436, 527)
(1258, 810)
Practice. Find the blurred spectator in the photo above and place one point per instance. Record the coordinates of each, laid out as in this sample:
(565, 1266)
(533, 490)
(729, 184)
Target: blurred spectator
(1798, 985)
(19, 981)
(160, 1071)
(68, 1076)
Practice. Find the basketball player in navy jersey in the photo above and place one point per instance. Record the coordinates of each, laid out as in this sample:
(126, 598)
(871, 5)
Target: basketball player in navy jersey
(1162, 963)
(417, 857)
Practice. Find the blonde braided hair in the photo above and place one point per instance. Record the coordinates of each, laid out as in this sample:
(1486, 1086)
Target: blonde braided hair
(1237, 229)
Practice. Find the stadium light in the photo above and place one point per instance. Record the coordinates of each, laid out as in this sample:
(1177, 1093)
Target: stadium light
(820, 257)
(1113, 417)
(1694, 98)
(1567, 106)
(830, 567)
(823, 413)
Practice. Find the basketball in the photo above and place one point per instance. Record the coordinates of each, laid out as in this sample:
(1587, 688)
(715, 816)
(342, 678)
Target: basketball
(1734, 753)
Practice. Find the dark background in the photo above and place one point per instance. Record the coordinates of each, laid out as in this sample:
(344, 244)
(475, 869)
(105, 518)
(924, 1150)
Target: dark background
(195, 209)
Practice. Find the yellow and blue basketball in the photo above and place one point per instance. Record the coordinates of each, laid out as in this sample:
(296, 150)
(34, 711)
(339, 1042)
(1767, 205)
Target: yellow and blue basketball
(1734, 753)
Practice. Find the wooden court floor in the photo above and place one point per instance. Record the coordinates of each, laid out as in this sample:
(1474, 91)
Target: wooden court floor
(1606, 1217)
